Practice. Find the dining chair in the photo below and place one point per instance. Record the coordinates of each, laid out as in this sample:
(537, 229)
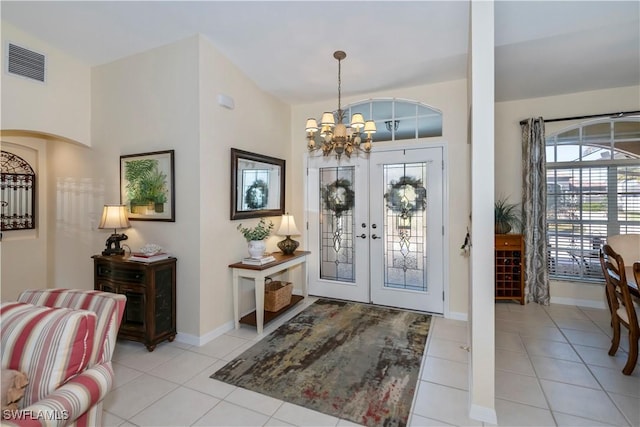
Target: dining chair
(623, 310)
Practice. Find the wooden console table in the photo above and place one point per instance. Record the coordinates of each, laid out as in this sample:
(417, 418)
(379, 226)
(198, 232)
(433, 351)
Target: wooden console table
(258, 273)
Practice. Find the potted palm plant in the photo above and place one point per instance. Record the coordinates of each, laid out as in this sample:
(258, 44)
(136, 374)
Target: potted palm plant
(507, 216)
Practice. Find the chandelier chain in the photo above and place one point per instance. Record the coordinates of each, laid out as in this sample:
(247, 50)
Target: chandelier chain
(339, 88)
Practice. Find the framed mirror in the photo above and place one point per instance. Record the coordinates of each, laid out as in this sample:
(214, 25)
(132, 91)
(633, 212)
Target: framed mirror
(257, 185)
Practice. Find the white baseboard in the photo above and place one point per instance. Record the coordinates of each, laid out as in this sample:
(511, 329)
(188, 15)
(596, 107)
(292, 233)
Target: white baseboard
(484, 414)
(209, 336)
(579, 302)
(453, 315)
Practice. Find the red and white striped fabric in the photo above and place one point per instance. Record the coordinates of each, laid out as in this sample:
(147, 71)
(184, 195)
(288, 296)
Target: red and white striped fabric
(107, 306)
(50, 345)
(77, 402)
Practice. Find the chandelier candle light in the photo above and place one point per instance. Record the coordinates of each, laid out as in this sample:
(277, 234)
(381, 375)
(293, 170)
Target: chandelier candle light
(114, 216)
(288, 228)
(337, 137)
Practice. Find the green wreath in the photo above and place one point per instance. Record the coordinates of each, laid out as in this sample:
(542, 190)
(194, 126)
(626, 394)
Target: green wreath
(406, 195)
(338, 197)
(257, 195)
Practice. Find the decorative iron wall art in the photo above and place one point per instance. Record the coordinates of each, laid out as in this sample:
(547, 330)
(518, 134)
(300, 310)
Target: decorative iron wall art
(147, 185)
(17, 193)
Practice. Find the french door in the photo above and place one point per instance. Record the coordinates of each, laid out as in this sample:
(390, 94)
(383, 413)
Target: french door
(376, 228)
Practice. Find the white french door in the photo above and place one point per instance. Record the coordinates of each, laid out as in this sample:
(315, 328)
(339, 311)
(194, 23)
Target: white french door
(376, 228)
(338, 228)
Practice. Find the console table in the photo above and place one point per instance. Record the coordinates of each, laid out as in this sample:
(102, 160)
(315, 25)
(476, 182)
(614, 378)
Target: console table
(258, 273)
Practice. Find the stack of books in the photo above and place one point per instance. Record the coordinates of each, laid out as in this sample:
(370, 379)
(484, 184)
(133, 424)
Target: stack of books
(259, 261)
(142, 257)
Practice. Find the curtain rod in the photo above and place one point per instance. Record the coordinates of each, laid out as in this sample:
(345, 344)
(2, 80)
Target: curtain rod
(592, 116)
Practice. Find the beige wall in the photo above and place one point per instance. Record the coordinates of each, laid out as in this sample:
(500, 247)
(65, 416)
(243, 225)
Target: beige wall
(451, 99)
(256, 124)
(149, 102)
(509, 155)
(75, 199)
(164, 99)
(60, 106)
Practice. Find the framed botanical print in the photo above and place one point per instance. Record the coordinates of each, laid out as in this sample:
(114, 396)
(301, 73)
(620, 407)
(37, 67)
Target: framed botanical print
(147, 185)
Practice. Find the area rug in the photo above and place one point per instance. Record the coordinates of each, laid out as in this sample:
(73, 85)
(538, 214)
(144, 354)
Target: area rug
(354, 361)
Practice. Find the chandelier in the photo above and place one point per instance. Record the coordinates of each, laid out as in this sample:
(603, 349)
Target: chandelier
(338, 137)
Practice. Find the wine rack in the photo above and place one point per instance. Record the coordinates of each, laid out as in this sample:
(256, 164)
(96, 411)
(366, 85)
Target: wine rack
(509, 259)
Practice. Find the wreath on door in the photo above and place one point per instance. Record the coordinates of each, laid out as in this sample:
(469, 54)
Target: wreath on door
(338, 196)
(257, 195)
(406, 195)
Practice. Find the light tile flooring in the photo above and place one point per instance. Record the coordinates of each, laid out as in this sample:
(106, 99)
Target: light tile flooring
(552, 368)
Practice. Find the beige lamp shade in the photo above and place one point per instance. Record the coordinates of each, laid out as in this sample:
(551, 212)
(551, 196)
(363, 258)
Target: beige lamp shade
(327, 119)
(288, 226)
(357, 121)
(312, 125)
(114, 216)
(370, 126)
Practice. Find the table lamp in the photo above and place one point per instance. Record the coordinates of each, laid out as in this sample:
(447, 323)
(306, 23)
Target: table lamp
(114, 216)
(288, 228)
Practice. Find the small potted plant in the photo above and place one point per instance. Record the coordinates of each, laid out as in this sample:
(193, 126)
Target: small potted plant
(507, 216)
(255, 237)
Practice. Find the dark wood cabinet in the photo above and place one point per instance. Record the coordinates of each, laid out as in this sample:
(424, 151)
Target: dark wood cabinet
(150, 312)
(509, 258)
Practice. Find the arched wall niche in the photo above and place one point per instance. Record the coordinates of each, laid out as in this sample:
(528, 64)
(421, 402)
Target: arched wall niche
(39, 135)
(68, 198)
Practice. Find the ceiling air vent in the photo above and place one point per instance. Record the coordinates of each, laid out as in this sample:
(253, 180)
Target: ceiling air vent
(26, 63)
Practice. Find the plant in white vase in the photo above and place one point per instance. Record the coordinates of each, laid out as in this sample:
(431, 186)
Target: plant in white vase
(255, 237)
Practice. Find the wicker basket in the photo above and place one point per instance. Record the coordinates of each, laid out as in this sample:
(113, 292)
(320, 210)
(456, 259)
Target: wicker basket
(277, 295)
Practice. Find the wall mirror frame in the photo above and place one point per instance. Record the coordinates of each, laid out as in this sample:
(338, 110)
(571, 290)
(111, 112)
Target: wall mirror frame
(257, 185)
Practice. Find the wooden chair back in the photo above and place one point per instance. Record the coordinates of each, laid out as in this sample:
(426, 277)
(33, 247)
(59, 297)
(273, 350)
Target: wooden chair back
(621, 305)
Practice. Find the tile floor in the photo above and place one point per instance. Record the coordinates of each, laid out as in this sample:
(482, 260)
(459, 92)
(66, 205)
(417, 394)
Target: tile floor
(552, 368)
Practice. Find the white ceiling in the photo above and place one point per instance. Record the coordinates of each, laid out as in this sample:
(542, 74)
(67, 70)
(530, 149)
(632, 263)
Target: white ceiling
(542, 47)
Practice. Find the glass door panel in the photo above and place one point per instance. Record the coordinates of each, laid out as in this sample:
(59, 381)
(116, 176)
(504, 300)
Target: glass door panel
(337, 223)
(405, 226)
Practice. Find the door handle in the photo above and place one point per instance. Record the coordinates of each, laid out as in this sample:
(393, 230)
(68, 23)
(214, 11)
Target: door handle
(362, 236)
(373, 236)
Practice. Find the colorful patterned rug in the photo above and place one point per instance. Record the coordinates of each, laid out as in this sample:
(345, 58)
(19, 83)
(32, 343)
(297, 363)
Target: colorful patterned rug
(354, 361)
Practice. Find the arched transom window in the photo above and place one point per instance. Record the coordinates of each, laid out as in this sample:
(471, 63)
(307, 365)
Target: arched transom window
(399, 119)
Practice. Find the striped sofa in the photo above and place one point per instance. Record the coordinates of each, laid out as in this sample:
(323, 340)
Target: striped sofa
(63, 339)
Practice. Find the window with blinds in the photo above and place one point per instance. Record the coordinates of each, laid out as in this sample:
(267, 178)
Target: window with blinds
(593, 191)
